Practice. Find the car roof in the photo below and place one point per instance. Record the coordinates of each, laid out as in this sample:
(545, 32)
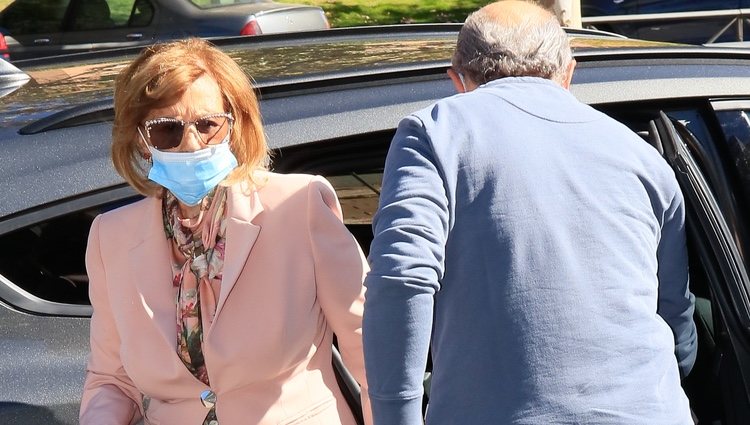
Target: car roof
(321, 86)
(59, 82)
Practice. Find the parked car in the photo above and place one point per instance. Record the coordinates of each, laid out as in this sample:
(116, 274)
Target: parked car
(35, 28)
(685, 21)
(331, 101)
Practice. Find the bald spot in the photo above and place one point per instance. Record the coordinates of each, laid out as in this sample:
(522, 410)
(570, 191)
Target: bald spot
(515, 12)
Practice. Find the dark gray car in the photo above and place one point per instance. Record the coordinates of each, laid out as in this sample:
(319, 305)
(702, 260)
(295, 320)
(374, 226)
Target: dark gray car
(330, 103)
(36, 28)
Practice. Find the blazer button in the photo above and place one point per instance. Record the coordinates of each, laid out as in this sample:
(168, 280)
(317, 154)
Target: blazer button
(208, 399)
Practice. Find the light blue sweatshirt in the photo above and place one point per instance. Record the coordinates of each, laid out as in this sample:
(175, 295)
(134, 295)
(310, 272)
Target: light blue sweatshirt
(541, 244)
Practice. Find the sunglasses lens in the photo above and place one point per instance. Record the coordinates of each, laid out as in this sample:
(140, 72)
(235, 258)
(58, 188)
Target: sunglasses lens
(165, 134)
(212, 129)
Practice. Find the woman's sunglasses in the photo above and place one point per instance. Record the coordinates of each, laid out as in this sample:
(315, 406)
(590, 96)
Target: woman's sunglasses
(166, 133)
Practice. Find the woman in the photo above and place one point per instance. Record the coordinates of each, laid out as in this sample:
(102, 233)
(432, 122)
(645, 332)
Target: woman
(215, 298)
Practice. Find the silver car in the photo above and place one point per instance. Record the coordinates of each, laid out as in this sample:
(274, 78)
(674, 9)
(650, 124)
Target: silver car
(36, 28)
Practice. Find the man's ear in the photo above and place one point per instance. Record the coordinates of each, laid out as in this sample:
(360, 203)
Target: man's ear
(569, 74)
(457, 83)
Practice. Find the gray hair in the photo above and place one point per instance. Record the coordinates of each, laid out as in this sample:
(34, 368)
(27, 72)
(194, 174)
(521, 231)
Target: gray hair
(488, 50)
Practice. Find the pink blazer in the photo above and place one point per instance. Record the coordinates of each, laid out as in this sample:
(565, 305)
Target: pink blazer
(292, 278)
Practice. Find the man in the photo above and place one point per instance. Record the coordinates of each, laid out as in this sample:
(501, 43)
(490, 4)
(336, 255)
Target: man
(540, 243)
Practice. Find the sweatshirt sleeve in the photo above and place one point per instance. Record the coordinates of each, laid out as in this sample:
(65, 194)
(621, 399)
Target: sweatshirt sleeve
(340, 268)
(676, 302)
(406, 258)
(109, 396)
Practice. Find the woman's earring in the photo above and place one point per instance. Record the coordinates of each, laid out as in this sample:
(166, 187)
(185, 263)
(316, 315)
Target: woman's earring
(146, 157)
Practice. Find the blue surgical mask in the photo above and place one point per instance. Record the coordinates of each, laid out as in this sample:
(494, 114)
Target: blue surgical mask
(190, 176)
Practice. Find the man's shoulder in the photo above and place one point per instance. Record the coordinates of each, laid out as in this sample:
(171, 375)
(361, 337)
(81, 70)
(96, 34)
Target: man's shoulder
(523, 98)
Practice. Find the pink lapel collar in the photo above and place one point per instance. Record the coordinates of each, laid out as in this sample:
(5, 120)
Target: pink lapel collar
(151, 264)
(243, 205)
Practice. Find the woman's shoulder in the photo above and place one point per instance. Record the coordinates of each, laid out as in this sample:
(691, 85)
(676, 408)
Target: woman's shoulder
(273, 178)
(290, 190)
(128, 212)
(267, 181)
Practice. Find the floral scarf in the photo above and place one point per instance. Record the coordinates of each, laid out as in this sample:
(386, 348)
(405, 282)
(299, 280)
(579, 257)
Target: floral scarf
(197, 247)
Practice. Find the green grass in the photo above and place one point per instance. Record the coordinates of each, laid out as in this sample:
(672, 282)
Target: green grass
(346, 13)
(119, 11)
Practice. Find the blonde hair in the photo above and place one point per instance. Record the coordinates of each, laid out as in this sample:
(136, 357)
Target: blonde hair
(157, 78)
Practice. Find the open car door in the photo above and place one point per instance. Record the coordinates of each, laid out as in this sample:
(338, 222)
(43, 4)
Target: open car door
(723, 268)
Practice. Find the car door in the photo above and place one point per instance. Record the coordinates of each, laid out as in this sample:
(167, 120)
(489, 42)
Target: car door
(723, 265)
(106, 24)
(33, 28)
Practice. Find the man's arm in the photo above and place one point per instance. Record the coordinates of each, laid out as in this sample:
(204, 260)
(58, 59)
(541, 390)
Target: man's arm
(676, 302)
(410, 230)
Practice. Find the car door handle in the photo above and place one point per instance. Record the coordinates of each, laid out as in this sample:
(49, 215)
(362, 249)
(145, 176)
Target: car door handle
(41, 41)
(134, 36)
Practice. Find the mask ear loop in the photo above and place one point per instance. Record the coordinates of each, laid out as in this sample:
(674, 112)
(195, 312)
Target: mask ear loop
(145, 155)
(230, 124)
(461, 77)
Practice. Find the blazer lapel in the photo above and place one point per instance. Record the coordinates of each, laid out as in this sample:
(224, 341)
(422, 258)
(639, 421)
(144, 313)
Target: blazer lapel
(151, 264)
(242, 207)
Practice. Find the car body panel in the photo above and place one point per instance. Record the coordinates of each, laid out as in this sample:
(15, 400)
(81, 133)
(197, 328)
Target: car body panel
(11, 78)
(285, 20)
(87, 77)
(640, 79)
(46, 355)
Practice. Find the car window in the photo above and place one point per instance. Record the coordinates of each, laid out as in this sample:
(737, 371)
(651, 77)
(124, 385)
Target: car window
(104, 14)
(736, 128)
(33, 16)
(735, 125)
(142, 13)
(46, 259)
